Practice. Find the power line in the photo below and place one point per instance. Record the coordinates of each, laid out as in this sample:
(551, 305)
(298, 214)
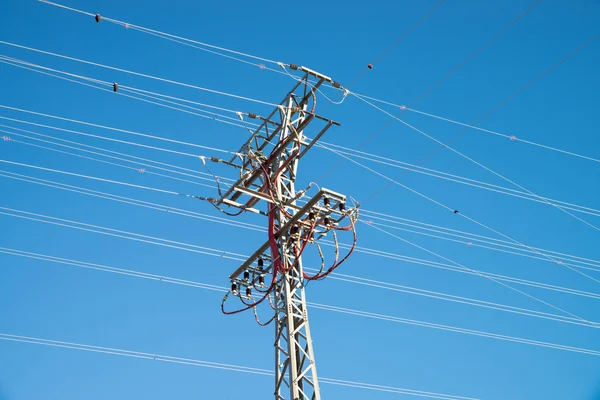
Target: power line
(519, 251)
(481, 165)
(175, 169)
(503, 102)
(211, 364)
(366, 212)
(159, 101)
(532, 250)
(214, 149)
(596, 325)
(444, 78)
(461, 214)
(368, 251)
(416, 322)
(510, 137)
(399, 220)
(338, 277)
(140, 170)
(221, 93)
(141, 28)
(94, 178)
(458, 179)
(129, 132)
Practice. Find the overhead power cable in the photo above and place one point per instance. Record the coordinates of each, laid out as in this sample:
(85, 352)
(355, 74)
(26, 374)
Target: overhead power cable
(140, 170)
(368, 251)
(519, 250)
(339, 277)
(214, 365)
(457, 178)
(422, 323)
(502, 103)
(583, 209)
(218, 92)
(110, 88)
(139, 161)
(528, 195)
(482, 166)
(443, 79)
(596, 325)
(94, 178)
(496, 133)
(532, 250)
(107, 128)
(398, 221)
(148, 30)
(454, 211)
(179, 245)
(341, 149)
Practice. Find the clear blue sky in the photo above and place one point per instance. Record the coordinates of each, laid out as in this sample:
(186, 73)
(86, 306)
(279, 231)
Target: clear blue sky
(338, 38)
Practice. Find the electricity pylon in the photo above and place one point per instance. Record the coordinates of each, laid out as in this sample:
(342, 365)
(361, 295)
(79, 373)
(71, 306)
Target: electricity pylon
(268, 170)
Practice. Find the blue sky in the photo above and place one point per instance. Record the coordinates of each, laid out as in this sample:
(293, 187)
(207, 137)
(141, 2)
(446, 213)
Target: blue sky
(61, 302)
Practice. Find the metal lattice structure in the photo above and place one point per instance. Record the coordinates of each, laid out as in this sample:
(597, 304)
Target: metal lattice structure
(268, 170)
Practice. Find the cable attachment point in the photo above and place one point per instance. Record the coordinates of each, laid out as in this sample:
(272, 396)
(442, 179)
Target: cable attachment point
(6, 138)
(403, 107)
(281, 65)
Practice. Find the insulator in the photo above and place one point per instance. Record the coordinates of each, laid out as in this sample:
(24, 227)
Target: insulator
(246, 275)
(234, 288)
(115, 87)
(294, 67)
(327, 202)
(326, 220)
(293, 230)
(98, 18)
(261, 262)
(248, 291)
(252, 115)
(342, 206)
(261, 280)
(311, 216)
(336, 85)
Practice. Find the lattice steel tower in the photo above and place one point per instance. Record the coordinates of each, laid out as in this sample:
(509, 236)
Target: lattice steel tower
(268, 165)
